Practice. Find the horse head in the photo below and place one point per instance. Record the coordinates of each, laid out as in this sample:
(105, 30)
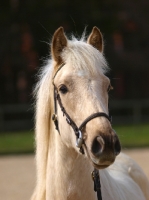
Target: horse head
(81, 95)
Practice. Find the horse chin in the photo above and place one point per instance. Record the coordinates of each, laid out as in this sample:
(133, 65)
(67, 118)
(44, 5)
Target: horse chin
(99, 166)
(96, 163)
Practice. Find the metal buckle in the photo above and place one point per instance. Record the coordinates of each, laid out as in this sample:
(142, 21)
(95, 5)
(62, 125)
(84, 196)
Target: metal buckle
(79, 141)
(54, 117)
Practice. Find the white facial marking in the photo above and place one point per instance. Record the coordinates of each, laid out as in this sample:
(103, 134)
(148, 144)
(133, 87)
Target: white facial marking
(81, 73)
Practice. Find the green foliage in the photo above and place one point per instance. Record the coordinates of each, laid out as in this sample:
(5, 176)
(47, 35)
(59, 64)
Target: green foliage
(23, 142)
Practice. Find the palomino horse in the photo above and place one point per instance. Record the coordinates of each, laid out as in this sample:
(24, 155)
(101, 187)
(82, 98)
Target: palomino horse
(73, 129)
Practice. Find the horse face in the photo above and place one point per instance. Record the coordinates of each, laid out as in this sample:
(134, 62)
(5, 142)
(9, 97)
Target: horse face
(84, 92)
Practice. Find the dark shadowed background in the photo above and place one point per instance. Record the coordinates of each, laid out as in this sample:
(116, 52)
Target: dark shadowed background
(26, 28)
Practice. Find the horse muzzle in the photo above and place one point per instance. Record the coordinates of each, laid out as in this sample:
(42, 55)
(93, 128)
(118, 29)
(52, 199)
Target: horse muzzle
(104, 149)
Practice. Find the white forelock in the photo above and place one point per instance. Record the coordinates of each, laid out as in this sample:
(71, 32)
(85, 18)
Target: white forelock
(83, 56)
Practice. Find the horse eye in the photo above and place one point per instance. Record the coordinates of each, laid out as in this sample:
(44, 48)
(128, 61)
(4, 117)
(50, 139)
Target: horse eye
(63, 89)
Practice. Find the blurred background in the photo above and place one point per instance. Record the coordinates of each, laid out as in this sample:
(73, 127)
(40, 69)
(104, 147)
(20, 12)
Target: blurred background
(26, 28)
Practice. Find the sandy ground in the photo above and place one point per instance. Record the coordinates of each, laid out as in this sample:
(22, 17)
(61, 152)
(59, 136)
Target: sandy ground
(17, 173)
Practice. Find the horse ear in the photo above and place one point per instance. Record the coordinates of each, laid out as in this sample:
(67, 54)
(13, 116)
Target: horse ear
(96, 39)
(59, 42)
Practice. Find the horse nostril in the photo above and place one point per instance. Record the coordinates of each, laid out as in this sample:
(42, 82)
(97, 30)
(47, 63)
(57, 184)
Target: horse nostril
(117, 145)
(98, 146)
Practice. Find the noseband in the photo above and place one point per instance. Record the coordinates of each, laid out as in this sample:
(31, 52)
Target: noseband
(77, 130)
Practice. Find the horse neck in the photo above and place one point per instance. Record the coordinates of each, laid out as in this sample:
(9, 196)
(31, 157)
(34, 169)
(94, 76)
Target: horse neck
(68, 173)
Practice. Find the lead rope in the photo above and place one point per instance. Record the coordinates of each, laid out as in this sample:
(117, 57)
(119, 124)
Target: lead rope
(97, 185)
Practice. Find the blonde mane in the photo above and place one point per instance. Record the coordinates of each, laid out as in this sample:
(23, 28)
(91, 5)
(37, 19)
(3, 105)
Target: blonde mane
(83, 56)
(43, 110)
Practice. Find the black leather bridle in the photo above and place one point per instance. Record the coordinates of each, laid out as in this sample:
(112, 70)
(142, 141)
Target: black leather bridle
(77, 130)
